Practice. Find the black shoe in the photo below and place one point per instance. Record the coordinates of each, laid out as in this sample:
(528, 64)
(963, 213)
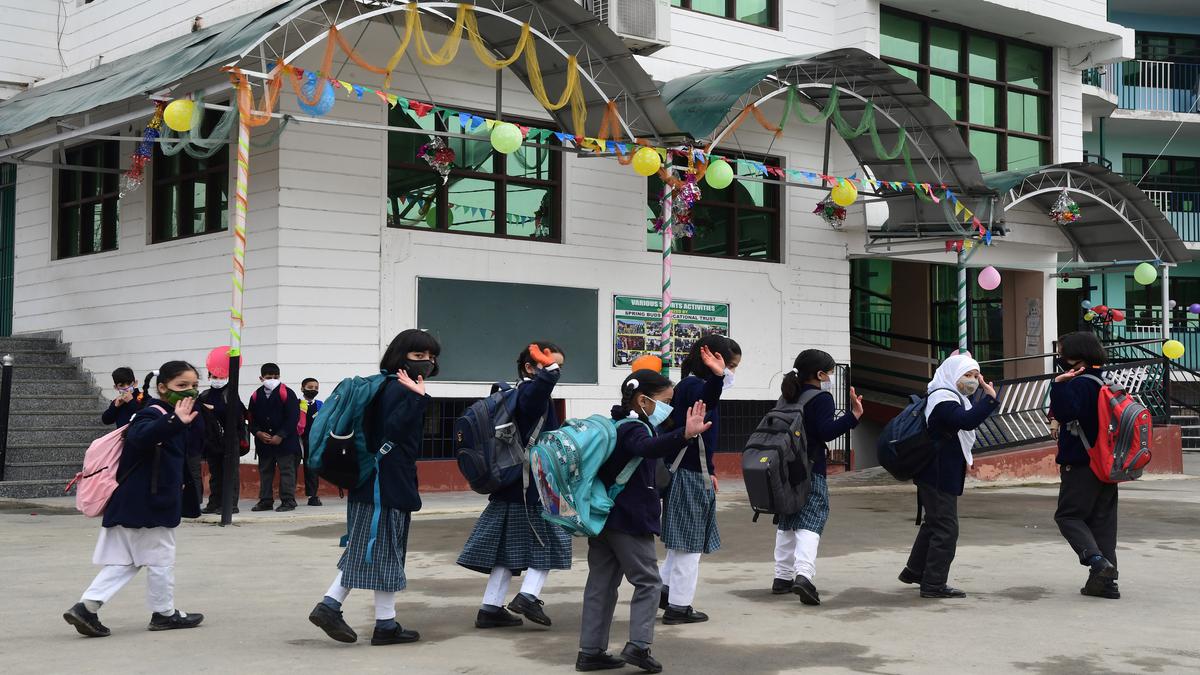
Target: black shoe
(330, 620)
(942, 591)
(236, 510)
(673, 616)
(640, 658)
(87, 623)
(211, 508)
(908, 576)
(176, 620)
(394, 636)
(1103, 569)
(663, 598)
(807, 592)
(314, 501)
(263, 506)
(530, 609)
(500, 618)
(781, 586)
(602, 661)
(1098, 587)
(289, 506)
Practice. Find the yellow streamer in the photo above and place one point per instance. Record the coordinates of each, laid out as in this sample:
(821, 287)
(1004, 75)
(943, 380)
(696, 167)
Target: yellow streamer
(449, 50)
(481, 49)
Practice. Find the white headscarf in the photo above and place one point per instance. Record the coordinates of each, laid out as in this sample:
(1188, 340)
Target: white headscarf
(947, 376)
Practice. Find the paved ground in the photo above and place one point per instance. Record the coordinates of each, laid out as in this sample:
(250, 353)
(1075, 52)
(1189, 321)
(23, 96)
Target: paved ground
(257, 581)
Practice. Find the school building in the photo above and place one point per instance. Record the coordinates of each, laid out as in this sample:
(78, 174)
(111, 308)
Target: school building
(961, 124)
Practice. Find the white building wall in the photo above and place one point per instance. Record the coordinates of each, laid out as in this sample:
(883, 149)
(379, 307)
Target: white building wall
(28, 48)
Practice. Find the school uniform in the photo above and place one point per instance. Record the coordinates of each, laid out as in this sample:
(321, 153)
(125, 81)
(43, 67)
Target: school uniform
(1087, 507)
(216, 445)
(510, 536)
(799, 534)
(689, 526)
(309, 409)
(120, 415)
(625, 547)
(278, 414)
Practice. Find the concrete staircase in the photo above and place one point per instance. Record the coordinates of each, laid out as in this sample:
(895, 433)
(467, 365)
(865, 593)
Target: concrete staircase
(1189, 424)
(54, 415)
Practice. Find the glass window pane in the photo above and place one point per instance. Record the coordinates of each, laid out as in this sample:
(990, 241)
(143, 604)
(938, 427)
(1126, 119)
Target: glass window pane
(899, 37)
(984, 58)
(1025, 112)
(1025, 66)
(472, 205)
(749, 192)
(757, 12)
(947, 93)
(531, 162)
(712, 230)
(983, 104)
(473, 155)
(223, 203)
(68, 232)
(985, 146)
(530, 211)
(411, 197)
(755, 235)
(199, 206)
(709, 6)
(165, 203)
(910, 73)
(97, 217)
(1024, 153)
(944, 47)
(403, 147)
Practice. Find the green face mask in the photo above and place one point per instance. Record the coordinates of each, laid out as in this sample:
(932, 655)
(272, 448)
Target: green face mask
(173, 397)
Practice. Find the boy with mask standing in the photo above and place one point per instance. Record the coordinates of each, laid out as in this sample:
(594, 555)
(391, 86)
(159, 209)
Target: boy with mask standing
(274, 416)
(309, 406)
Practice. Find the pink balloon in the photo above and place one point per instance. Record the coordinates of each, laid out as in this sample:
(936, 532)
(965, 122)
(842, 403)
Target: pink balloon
(989, 278)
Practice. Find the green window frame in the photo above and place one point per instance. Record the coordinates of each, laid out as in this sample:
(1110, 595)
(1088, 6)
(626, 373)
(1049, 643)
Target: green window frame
(88, 211)
(1166, 47)
(764, 13)
(190, 197)
(996, 89)
(515, 196)
(1170, 173)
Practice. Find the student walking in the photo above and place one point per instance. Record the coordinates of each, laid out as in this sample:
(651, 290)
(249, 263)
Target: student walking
(689, 526)
(510, 536)
(810, 385)
(396, 416)
(952, 417)
(128, 401)
(625, 547)
(214, 408)
(310, 405)
(154, 492)
(1087, 507)
(274, 415)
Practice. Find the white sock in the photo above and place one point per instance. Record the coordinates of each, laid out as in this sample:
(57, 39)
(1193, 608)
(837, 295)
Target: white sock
(806, 553)
(534, 581)
(92, 606)
(497, 586)
(336, 590)
(668, 566)
(385, 605)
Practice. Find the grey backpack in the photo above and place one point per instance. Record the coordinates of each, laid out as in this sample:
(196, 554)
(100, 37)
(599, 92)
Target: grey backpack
(777, 448)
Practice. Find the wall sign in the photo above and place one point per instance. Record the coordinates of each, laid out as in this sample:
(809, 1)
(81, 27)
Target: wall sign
(637, 326)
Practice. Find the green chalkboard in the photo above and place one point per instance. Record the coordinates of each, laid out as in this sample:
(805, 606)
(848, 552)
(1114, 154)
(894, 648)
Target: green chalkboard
(483, 325)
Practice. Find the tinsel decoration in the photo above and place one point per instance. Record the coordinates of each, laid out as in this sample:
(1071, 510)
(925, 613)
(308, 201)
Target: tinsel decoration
(132, 179)
(832, 214)
(1065, 210)
(683, 200)
(439, 156)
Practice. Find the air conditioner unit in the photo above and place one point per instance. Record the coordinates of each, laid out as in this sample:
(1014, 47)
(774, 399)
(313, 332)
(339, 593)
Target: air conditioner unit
(644, 25)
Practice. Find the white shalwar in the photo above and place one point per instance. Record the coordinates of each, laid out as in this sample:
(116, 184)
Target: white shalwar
(125, 550)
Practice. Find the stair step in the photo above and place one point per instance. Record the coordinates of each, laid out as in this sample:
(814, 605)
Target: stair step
(31, 489)
(56, 435)
(65, 403)
(26, 342)
(35, 357)
(63, 471)
(45, 371)
(48, 419)
(38, 387)
(48, 452)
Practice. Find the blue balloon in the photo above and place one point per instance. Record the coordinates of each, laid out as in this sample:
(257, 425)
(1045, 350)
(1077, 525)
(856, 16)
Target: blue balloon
(323, 104)
(1086, 304)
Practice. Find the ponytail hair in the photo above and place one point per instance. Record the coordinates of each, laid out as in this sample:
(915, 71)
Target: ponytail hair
(717, 344)
(807, 365)
(643, 382)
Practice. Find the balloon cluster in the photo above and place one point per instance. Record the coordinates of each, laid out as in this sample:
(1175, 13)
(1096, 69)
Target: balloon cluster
(133, 178)
(833, 214)
(1065, 211)
(439, 156)
(1100, 315)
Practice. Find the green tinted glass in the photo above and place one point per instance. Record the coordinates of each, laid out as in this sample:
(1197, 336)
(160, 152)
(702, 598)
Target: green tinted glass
(467, 196)
(1025, 66)
(754, 235)
(984, 58)
(944, 48)
(947, 93)
(910, 73)
(900, 37)
(709, 6)
(1025, 112)
(757, 12)
(1025, 153)
(986, 148)
(983, 104)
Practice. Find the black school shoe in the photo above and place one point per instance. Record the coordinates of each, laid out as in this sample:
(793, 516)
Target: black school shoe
(87, 623)
(286, 506)
(394, 636)
(1103, 569)
(263, 506)
(330, 620)
(941, 592)
(781, 586)
(176, 620)
(1098, 587)
(673, 617)
(807, 592)
(603, 661)
(211, 508)
(530, 609)
(500, 618)
(314, 501)
(908, 576)
(640, 658)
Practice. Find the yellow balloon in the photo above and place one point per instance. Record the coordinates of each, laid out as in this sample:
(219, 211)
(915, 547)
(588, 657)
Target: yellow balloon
(646, 162)
(1088, 316)
(1172, 349)
(844, 193)
(178, 114)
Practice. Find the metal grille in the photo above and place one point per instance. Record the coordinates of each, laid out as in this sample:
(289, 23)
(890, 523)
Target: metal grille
(438, 439)
(637, 17)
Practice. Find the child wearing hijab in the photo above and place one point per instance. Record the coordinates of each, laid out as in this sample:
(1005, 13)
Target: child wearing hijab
(952, 418)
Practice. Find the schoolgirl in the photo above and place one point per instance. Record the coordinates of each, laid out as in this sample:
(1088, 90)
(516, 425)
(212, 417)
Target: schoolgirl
(953, 412)
(1087, 507)
(214, 408)
(625, 547)
(396, 415)
(689, 526)
(510, 536)
(154, 491)
(809, 385)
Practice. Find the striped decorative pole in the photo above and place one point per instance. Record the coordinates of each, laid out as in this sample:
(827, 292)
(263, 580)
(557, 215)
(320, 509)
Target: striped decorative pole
(962, 302)
(668, 243)
(239, 236)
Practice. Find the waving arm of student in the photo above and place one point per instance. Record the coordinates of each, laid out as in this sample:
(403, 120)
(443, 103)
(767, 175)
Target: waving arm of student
(952, 416)
(1067, 393)
(403, 405)
(829, 428)
(152, 426)
(533, 397)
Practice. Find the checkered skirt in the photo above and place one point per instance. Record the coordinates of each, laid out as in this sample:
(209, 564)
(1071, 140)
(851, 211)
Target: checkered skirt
(503, 537)
(815, 512)
(689, 521)
(385, 570)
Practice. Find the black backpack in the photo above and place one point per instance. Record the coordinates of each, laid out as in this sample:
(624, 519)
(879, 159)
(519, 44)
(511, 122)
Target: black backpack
(487, 442)
(777, 449)
(905, 446)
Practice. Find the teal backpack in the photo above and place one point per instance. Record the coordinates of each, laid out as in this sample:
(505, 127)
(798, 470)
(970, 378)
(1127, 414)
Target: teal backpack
(565, 464)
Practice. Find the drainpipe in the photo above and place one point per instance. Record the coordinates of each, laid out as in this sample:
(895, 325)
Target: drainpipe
(1103, 157)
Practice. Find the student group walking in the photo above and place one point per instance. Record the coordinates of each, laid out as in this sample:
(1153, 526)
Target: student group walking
(661, 470)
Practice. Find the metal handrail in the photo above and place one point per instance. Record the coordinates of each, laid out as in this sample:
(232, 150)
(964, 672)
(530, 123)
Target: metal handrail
(5, 403)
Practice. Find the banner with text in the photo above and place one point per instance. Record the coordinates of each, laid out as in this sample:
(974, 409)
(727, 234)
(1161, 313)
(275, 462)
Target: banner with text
(637, 326)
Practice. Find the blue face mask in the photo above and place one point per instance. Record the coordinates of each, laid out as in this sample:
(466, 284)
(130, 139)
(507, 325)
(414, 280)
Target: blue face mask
(661, 412)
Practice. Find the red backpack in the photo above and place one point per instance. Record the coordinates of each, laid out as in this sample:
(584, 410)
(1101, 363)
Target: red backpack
(1122, 449)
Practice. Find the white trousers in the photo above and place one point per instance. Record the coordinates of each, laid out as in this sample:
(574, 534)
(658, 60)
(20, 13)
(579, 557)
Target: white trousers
(500, 578)
(796, 554)
(680, 571)
(160, 585)
(385, 601)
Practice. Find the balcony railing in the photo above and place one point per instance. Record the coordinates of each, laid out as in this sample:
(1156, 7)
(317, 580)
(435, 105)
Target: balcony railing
(1182, 209)
(1149, 85)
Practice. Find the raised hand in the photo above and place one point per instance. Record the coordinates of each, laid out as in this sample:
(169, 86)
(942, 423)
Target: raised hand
(986, 386)
(416, 386)
(185, 410)
(543, 357)
(695, 424)
(1070, 374)
(714, 362)
(856, 407)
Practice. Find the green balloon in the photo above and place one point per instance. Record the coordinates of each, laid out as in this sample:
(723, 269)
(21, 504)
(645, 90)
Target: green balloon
(506, 138)
(719, 174)
(431, 217)
(1145, 274)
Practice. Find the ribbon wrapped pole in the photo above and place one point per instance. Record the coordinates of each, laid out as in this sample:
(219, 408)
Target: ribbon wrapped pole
(668, 242)
(235, 315)
(962, 303)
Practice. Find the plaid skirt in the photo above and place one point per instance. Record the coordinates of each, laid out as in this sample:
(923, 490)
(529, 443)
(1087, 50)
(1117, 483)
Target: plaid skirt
(504, 537)
(689, 521)
(815, 512)
(385, 570)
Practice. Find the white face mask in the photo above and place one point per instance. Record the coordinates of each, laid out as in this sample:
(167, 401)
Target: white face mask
(827, 385)
(218, 382)
(728, 383)
(968, 385)
(270, 384)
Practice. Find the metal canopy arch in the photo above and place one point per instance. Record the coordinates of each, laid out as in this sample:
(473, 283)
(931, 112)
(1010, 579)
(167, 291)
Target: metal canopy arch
(1129, 226)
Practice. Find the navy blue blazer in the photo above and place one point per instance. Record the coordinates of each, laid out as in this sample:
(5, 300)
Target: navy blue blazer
(637, 510)
(217, 399)
(948, 470)
(690, 390)
(533, 401)
(120, 415)
(270, 413)
(1076, 400)
(397, 415)
(155, 489)
(821, 427)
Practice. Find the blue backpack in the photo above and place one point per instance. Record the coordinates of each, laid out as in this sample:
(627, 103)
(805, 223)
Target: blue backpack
(487, 442)
(565, 464)
(905, 446)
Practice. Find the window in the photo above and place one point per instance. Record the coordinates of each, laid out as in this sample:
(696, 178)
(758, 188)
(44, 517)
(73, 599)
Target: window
(191, 196)
(517, 196)
(758, 12)
(1160, 47)
(996, 89)
(1168, 173)
(985, 311)
(741, 221)
(88, 210)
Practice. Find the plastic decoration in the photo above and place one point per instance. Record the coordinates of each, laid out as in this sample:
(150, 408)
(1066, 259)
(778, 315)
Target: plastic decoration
(324, 104)
(135, 176)
(989, 278)
(719, 174)
(1086, 304)
(1173, 304)
(844, 193)
(1145, 274)
(178, 114)
(439, 156)
(506, 138)
(646, 162)
(686, 196)
(833, 215)
(1065, 211)
(1172, 349)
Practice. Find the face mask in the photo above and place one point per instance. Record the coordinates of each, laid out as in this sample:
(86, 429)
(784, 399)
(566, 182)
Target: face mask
(310, 394)
(827, 385)
(271, 384)
(1062, 364)
(419, 369)
(172, 397)
(728, 383)
(968, 385)
(125, 390)
(218, 382)
(661, 412)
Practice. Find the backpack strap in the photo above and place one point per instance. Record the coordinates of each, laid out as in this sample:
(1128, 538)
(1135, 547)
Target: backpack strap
(1073, 427)
(377, 509)
(632, 465)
